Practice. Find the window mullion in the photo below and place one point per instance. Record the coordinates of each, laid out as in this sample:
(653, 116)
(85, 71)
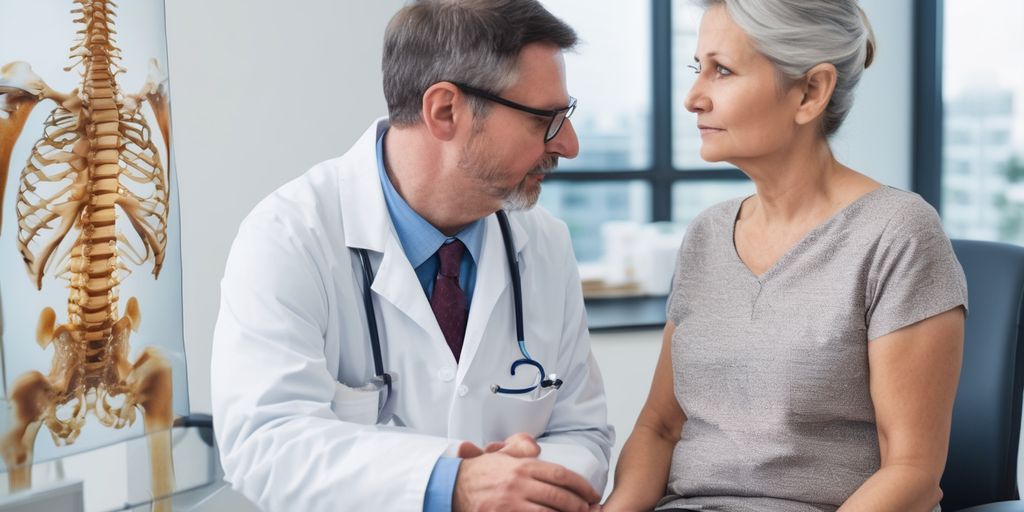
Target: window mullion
(928, 121)
(661, 110)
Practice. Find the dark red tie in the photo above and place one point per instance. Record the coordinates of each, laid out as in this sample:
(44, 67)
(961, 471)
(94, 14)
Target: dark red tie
(448, 300)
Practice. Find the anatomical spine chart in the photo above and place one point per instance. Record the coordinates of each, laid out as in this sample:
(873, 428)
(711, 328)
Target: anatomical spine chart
(89, 209)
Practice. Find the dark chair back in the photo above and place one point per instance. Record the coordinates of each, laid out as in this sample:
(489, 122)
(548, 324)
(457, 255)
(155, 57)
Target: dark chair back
(982, 464)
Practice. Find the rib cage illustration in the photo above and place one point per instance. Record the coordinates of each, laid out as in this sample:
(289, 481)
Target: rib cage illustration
(94, 164)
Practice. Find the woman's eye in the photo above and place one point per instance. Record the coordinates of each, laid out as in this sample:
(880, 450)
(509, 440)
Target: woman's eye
(722, 70)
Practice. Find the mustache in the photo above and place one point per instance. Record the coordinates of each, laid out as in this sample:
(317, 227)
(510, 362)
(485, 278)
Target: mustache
(546, 166)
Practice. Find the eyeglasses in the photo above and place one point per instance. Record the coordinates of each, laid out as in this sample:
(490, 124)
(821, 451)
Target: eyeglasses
(558, 116)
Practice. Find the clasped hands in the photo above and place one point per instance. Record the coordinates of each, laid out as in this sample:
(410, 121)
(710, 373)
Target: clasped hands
(508, 476)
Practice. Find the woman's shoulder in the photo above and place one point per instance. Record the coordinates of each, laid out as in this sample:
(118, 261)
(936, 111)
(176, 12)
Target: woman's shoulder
(905, 213)
(898, 198)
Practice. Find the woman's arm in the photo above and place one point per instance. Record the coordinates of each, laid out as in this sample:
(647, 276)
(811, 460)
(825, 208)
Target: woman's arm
(642, 470)
(914, 374)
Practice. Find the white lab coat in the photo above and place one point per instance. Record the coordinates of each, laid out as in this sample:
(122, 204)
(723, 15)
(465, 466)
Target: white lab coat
(292, 325)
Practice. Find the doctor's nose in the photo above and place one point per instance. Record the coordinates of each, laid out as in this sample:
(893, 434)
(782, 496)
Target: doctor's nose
(565, 144)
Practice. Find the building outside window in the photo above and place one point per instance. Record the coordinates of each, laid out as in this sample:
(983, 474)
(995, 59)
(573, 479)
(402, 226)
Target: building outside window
(982, 178)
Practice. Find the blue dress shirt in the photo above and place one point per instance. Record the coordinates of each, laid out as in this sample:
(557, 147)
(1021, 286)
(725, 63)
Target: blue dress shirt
(420, 241)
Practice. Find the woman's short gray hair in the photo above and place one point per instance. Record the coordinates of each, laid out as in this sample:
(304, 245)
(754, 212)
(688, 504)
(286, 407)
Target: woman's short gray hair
(476, 42)
(797, 35)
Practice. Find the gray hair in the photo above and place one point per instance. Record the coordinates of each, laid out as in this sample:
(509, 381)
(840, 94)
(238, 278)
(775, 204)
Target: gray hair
(797, 35)
(476, 42)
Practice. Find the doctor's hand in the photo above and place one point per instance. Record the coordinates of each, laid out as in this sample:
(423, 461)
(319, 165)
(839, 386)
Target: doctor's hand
(502, 480)
(521, 445)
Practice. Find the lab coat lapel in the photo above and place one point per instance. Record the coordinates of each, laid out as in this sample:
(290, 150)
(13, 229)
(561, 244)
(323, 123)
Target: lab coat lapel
(397, 283)
(493, 290)
(368, 226)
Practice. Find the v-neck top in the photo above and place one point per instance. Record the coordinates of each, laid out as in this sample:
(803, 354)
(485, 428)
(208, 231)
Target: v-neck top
(772, 370)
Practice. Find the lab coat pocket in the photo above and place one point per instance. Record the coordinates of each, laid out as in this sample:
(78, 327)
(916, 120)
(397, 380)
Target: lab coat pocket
(519, 413)
(355, 405)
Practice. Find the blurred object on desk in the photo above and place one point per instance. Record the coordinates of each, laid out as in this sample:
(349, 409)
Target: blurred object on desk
(638, 260)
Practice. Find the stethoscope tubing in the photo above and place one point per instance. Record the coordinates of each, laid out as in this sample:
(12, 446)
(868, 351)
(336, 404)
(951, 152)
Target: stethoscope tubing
(517, 299)
(517, 302)
(371, 319)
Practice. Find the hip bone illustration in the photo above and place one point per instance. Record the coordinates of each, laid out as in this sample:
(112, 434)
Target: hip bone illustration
(94, 164)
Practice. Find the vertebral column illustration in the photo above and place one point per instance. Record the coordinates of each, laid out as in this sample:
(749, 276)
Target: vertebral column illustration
(94, 165)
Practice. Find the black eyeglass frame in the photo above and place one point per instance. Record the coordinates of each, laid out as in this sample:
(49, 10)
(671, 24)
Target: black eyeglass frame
(558, 116)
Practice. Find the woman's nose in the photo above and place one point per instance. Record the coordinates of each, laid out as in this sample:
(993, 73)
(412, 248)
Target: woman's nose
(696, 100)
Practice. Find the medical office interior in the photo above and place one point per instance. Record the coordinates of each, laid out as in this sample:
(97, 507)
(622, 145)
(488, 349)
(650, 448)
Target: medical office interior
(262, 91)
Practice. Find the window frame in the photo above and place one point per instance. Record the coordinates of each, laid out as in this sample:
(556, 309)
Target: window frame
(928, 115)
(661, 174)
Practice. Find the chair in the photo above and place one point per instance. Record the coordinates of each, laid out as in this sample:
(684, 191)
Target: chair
(982, 466)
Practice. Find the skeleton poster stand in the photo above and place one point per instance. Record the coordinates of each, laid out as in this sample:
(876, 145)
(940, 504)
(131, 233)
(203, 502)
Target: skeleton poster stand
(92, 203)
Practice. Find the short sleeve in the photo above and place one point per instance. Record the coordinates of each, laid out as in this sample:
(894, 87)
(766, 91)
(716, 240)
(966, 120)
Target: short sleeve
(673, 305)
(914, 274)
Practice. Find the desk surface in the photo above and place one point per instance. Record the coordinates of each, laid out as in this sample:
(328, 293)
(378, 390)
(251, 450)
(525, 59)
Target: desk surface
(610, 314)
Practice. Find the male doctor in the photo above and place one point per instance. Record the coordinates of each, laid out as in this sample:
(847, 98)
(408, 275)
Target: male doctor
(478, 116)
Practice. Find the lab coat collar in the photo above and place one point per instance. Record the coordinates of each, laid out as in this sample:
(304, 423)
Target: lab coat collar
(364, 212)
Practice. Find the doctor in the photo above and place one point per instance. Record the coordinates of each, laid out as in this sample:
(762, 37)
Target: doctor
(452, 408)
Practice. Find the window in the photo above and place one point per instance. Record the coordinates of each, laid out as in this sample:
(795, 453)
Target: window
(980, 189)
(999, 137)
(689, 198)
(585, 206)
(639, 148)
(610, 73)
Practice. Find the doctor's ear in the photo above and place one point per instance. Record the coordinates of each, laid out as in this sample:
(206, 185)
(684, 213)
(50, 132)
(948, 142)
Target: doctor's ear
(444, 106)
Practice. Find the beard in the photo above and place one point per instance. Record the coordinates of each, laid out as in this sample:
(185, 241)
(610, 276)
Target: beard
(525, 194)
(478, 164)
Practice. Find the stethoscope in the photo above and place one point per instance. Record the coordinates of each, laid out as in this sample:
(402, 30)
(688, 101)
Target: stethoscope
(385, 379)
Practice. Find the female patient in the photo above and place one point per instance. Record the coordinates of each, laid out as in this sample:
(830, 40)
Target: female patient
(815, 328)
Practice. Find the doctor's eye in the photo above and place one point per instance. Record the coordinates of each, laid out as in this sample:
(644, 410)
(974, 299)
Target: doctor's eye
(722, 70)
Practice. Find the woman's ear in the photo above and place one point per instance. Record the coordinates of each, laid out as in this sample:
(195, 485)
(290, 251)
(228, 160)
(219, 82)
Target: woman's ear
(444, 106)
(816, 86)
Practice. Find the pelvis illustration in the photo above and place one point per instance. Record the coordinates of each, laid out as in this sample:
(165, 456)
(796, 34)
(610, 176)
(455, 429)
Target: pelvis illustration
(94, 165)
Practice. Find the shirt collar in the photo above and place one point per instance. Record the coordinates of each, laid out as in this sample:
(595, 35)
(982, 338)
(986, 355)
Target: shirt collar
(420, 239)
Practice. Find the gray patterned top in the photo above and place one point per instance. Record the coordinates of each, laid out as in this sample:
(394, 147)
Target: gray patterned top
(772, 370)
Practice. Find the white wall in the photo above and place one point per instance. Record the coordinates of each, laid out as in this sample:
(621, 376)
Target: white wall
(261, 92)
(627, 361)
